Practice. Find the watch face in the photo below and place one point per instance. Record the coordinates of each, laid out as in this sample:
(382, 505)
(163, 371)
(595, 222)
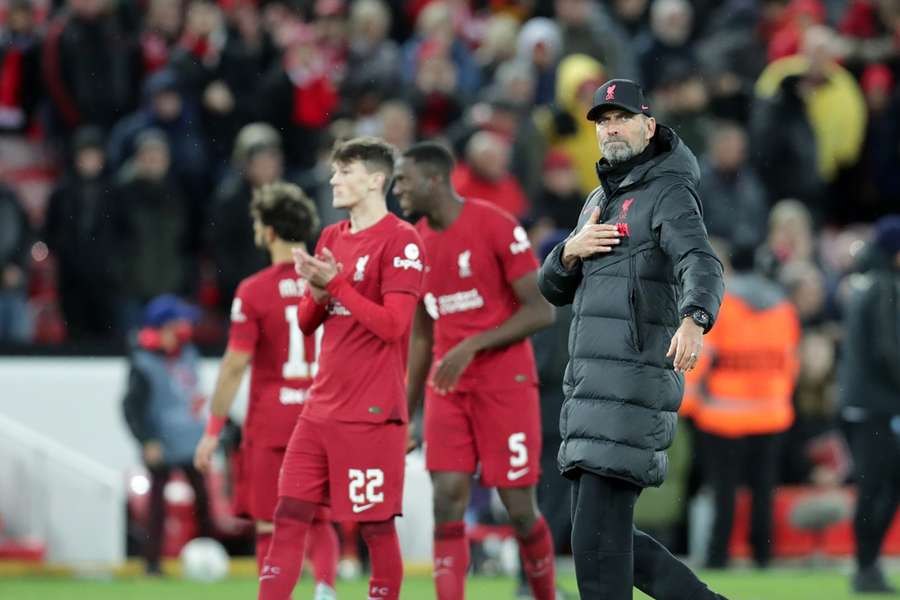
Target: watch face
(701, 317)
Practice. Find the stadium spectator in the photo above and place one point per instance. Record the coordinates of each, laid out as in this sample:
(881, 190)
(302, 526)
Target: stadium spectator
(80, 231)
(162, 24)
(790, 238)
(163, 407)
(681, 100)
(257, 160)
(512, 121)
(668, 42)
(734, 200)
(91, 67)
(152, 224)
(633, 15)
(435, 36)
(539, 47)
(485, 174)
(21, 88)
(745, 402)
(732, 52)
(610, 421)
(830, 96)
(15, 255)
(472, 364)
(298, 98)
(562, 124)
(783, 145)
(373, 59)
(558, 204)
(220, 69)
(868, 31)
(870, 400)
(878, 178)
(498, 44)
(434, 93)
(587, 28)
(166, 109)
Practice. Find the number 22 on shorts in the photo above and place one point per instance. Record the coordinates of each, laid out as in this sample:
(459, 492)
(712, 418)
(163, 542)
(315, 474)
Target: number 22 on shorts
(365, 488)
(518, 457)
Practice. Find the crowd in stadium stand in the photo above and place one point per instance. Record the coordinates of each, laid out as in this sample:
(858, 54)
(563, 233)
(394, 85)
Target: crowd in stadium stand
(119, 123)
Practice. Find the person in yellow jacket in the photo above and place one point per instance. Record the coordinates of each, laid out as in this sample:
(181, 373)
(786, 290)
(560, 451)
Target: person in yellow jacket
(744, 402)
(563, 126)
(834, 101)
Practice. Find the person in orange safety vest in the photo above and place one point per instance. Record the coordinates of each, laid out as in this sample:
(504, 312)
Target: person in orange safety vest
(740, 401)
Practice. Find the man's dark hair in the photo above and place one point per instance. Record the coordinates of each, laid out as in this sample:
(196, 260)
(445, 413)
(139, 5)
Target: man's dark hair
(433, 158)
(286, 209)
(375, 154)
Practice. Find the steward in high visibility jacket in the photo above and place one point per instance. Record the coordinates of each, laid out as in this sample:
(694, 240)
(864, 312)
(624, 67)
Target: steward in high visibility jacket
(747, 386)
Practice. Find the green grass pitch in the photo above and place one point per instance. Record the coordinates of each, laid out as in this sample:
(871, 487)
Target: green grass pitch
(776, 584)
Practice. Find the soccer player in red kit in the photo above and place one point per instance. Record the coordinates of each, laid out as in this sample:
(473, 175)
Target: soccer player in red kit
(481, 402)
(265, 333)
(348, 449)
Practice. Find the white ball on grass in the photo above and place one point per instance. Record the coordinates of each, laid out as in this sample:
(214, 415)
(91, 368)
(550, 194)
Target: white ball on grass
(204, 559)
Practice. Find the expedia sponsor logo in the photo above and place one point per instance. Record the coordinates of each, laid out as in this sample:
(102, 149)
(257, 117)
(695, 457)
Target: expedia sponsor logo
(410, 258)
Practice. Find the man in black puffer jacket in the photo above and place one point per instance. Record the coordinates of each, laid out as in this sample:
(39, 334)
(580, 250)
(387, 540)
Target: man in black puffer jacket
(645, 286)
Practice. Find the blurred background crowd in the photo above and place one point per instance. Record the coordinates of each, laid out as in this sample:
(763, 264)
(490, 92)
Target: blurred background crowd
(133, 131)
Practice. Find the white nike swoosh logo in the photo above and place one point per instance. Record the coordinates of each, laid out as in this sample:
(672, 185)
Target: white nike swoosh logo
(513, 475)
(362, 507)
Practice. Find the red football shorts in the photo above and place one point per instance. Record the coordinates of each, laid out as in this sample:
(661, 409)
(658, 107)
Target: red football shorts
(500, 429)
(356, 468)
(256, 491)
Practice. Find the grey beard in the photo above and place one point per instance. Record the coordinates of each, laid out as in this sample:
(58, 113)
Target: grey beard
(618, 153)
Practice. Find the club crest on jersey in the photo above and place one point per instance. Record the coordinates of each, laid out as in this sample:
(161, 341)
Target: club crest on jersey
(465, 263)
(410, 258)
(521, 244)
(360, 267)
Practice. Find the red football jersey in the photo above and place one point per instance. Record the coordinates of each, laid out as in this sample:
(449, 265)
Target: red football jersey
(264, 323)
(361, 377)
(468, 289)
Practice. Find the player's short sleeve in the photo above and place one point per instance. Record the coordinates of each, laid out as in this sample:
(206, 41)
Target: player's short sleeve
(403, 263)
(511, 245)
(245, 325)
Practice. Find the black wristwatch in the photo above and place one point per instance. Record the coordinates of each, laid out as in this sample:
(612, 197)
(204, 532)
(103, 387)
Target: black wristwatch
(698, 315)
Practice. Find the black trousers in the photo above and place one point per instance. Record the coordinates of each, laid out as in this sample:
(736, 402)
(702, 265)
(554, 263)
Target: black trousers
(612, 556)
(159, 476)
(876, 458)
(729, 462)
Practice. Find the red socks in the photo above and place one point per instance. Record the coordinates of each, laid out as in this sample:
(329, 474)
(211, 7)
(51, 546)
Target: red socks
(322, 549)
(284, 560)
(539, 562)
(451, 560)
(263, 541)
(386, 561)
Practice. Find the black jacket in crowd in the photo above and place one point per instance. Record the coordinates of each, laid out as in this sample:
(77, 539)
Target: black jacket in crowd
(869, 370)
(621, 392)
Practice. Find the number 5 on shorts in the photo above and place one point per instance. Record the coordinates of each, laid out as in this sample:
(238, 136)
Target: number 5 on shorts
(518, 449)
(364, 487)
